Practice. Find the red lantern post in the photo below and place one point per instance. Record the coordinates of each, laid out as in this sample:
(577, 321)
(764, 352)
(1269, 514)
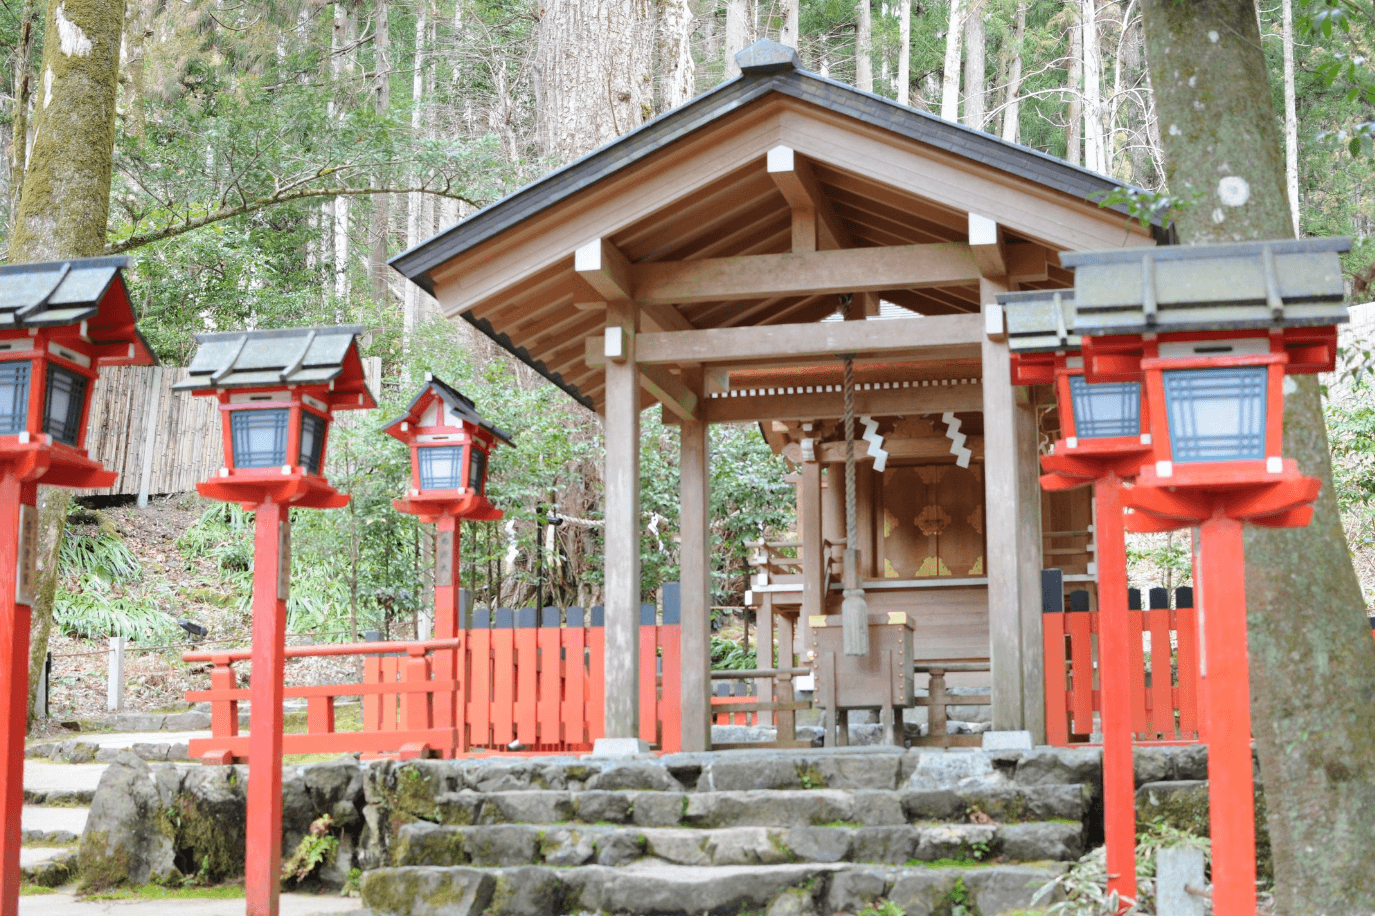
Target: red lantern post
(278, 391)
(450, 443)
(1215, 330)
(59, 323)
(1102, 443)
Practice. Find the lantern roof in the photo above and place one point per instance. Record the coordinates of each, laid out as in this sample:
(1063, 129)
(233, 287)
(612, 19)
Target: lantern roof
(1230, 287)
(282, 358)
(58, 293)
(1040, 320)
(455, 404)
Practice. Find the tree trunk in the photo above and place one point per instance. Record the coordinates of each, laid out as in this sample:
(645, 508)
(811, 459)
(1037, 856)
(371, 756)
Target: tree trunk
(950, 76)
(410, 305)
(1093, 91)
(975, 69)
(864, 47)
(1012, 106)
(737, 22)
(1074, 120)
(904, 50)
(1291, 118)
(65, 203)
(789, 34)
(381, 204)
(675, 53)
(1312, 658)
(19, 135)
(592, 73)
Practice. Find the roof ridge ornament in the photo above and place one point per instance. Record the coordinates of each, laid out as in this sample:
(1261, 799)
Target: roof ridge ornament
(765, 56)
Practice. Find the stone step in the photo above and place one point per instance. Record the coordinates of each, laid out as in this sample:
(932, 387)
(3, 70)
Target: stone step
(764, 808)
(528, 844)
(658, 889)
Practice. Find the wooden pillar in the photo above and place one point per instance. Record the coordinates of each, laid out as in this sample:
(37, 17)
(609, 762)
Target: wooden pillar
(1030, 551)
(864, 518)
(1002, 501)
(786, 718)
(622, 560)
(16, 502)
(695, 500)
(763, 646)
(813, 552)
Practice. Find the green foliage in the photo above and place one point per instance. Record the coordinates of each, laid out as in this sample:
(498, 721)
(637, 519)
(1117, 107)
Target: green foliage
(1085, 885)
(95, 595)
(317, 847)
(728, 655)
(960, 901)
(883, 907)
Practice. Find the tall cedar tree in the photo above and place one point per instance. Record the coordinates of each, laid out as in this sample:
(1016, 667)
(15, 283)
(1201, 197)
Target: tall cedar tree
(1312, 658)
(64, 203)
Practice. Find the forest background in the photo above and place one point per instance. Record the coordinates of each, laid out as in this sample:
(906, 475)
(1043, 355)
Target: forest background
(270, 157)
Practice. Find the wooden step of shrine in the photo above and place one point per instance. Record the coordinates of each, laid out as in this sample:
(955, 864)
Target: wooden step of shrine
(808, 831)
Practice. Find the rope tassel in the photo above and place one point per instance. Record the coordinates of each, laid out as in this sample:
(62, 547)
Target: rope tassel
(854, 610)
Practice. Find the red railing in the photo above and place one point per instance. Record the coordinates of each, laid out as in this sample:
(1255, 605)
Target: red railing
(1164, 685)
(514, 687)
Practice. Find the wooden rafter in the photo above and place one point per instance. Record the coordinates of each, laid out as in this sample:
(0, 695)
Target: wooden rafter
(815, 225)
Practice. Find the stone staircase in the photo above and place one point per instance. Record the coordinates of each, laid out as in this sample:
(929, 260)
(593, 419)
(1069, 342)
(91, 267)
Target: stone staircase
(784, 833)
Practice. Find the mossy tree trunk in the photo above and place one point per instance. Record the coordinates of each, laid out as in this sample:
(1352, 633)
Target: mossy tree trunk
(64, 202)
(1312, 658)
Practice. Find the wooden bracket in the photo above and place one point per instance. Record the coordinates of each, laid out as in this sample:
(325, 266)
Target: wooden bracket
(815, 223)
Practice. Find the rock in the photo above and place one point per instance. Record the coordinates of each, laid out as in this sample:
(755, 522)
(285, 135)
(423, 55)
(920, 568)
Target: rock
(950, 771)
(458, 809)
(54, 872)
(428, 891)
(430, 844)
(933, 805)
(1051, 766)
(526, 892)
(1013, 804)
(1190, 762)
(887, 845)
(137, 722)
(1007, 887)
(603, 807)
(873, 808)
(675, 890)
(531, 807)
(923, 891)
(657, 809)
(1179, 803)
(568, 847)
(177, 753)
(767, 809)
(974, 842)
(741, 775)
(501, 844)
(186, 722)
(793, 901)
(80, 751)
(860, 771)
(681, 847)
(210, 811)
(635, 776)
(746, 846)
(1152, 764)
(128, 837)
(819, 844)
(617, 848)
(854, 889)
(1053, 841)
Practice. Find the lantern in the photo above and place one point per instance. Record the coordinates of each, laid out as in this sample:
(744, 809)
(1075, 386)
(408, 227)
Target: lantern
(60, 322)
(450, 443)
(277, 392)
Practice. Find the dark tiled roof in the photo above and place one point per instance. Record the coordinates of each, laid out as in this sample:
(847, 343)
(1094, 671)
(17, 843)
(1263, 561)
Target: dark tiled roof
(754, 83)
(55, 292)
(457, 402)
(289, 356)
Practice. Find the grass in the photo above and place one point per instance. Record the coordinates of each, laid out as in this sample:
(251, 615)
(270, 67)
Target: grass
(348, 717)
(158, 892)
(35, 890)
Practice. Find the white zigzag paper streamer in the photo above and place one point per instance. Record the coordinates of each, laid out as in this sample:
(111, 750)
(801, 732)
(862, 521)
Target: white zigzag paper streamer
(875, 443)
(952, 432)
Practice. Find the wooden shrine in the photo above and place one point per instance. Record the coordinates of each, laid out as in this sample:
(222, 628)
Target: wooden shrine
(693, 263)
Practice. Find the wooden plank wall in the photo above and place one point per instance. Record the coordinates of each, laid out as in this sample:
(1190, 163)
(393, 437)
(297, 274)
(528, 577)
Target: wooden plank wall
(187, 444)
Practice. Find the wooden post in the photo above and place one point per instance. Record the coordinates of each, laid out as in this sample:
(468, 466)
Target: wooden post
(1030, 548)
(813, 551)
(695, 588)
(114, 692)
(764, 687)
(271, 574)
(150, 435)
(1231, 795)
(15, 499)
(448, 614)
(1119, 785)
(787, 658)
(622, 562)
(1002, 557)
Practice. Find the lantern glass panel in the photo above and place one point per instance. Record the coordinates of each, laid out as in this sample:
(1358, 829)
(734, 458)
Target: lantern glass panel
(66, 397)
(259, 437)
(477, 470)
(1216, 414)
(441, 467)
(312, 441)
(1106, 409)
(14, 397)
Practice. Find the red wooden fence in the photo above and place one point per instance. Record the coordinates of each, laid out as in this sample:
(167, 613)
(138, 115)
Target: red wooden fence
(1164, 684)
(503, 685)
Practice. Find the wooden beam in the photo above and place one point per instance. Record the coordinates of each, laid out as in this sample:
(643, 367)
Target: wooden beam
(927, 448)
(812, 551)
(985, 240)
(604, 268)
(932, 336)
(1026, 261)
(794, 177)
(830, 406)
(670, 392)
(652, 317)
(811, 273)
